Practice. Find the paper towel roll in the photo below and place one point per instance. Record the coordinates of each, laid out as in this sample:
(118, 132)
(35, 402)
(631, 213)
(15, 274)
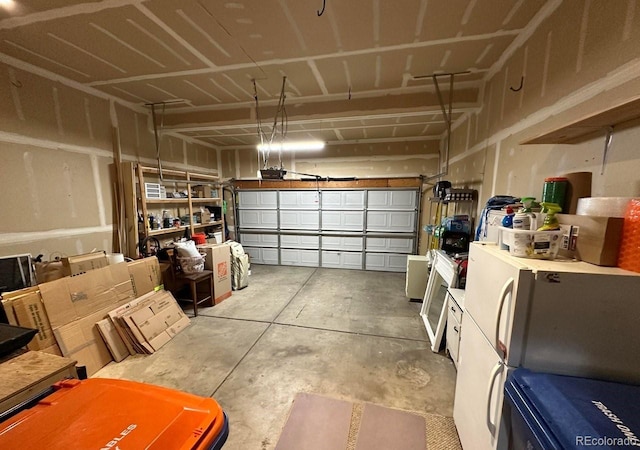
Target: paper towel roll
(603, 206)
(578, 186)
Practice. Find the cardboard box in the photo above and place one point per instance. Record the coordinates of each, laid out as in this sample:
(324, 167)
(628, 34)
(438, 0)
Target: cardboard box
(592, 239)
(110, 336)
(218, 259)
(202, 191)
(78, 264)
(145, 275)
(25, 308)
(151, 322)
(74, 298)
(81, 340)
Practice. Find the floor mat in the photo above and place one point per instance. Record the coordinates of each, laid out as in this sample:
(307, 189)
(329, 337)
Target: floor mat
(319, 422)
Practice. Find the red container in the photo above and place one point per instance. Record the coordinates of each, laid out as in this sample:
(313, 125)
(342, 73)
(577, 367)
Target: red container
(199, 238)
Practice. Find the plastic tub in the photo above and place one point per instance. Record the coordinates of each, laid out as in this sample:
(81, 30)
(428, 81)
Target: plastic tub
(531, 244)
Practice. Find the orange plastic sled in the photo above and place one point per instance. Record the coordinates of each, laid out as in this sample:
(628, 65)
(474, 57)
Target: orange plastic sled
(116, 414)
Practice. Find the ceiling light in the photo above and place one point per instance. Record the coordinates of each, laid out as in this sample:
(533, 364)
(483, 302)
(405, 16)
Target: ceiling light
(292, 146)
(7, 4)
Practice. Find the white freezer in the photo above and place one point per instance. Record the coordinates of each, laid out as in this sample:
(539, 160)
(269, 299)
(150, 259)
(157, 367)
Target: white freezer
(570, 318)
(563, 317)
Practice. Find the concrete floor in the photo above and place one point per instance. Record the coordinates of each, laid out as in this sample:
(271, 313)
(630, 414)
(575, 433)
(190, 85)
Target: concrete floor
(351, 335)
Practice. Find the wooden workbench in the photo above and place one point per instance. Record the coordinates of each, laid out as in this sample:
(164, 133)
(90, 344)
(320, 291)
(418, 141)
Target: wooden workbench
(29, 374)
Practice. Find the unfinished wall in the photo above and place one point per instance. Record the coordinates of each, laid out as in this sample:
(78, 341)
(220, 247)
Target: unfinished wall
(56, 173)
(582, 59)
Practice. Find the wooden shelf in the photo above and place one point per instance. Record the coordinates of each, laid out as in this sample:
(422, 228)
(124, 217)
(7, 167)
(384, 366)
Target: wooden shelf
(589, 125)
(181, 229)
(173, 201)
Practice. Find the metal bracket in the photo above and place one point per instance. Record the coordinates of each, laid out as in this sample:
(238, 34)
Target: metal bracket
(607, 145)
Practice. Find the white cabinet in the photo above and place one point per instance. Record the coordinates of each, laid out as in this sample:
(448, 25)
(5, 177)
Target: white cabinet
(342, 243)
(391, 221)
(262, 255)
(393, 199)
(390, 245)
(386, 262)
(259, 240)
(258, 218)
(299, 220)
(343, 220)
(455, 309)
(343, 200)
(299, 241)
(257, 200)
(298, 257)
(342, 260)
(299, 199)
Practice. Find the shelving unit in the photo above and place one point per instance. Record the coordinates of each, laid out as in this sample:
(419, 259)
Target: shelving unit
(588, 125)
(137, 203)
(442, 211)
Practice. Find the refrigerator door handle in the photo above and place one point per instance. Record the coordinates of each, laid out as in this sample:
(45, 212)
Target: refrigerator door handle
(497, 369)
(506, 288)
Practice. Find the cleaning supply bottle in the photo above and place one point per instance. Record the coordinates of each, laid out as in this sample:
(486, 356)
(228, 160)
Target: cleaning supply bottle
(521, 221)
(507, 221)
(550, 221)
(530, 222)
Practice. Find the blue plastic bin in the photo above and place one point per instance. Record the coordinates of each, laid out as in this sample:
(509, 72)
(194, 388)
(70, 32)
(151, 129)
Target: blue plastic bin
(548, 412)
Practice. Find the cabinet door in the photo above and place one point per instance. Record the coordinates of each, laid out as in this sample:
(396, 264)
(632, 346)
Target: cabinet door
(258, 218)
(342, 260)
(299, 220)
(299, 199)
(343, 200)
(386, 262)
(391, 221)
(396, 200)
(343, 220)
(297, 257)
(477, 408)
(341, 243)
(391, 245)
(299, 241)
(257, 200)
(259, 240)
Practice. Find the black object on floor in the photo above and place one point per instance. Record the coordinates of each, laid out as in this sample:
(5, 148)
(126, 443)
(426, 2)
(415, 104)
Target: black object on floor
(13, 337)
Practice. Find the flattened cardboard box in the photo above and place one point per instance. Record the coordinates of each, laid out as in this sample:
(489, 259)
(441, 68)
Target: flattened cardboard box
(114, 342)
(593, 239)
(81, 340)
(73, 298)
(25, 308)
(75, 265)
(154, 321)
(145, 275)
(218, 260)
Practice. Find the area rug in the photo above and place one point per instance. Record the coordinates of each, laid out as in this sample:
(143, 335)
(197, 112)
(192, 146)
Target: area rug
(317, 422)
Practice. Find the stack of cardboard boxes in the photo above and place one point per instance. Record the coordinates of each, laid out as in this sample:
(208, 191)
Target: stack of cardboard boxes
(65, 311)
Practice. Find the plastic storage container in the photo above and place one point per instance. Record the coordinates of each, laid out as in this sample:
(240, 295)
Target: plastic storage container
(629, 255)
(548, 412)
(101, 413)
(531, 244)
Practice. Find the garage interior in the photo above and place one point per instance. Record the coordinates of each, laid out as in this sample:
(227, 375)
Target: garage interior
(493, 96)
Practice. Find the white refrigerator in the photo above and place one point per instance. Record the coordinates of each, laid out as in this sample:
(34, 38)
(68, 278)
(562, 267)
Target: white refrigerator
(562, 317)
